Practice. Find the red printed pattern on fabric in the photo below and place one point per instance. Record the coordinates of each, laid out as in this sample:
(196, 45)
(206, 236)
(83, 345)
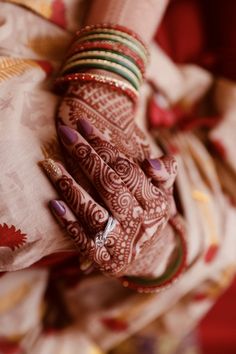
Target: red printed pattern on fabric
(11, 237)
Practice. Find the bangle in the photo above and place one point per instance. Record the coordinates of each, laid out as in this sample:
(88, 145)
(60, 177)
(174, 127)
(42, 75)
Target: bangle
(176, 268)
(116, 58)
(102, 64)
(113, 48)
(120, 34)
(117, 27)
(114, 38)
(108, 46)
(115, 84)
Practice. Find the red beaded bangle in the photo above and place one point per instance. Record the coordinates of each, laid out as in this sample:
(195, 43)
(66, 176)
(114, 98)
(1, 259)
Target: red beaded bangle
(115, 84)
(110, 46)
(173, 272)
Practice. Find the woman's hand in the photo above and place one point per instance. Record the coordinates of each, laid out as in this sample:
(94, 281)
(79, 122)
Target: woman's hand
(111, 112)
(138, 204)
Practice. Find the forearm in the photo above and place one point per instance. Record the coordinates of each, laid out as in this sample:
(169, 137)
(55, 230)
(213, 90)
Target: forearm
(143, 17)
(111, 111)
(111, 55)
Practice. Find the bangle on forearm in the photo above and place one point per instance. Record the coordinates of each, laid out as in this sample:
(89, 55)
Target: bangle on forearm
(119, 34)
(114, 38)
(174, 270)
(104, 55)
(101, 64)
(109, 47)
(118, 28)
(115, 84)
(112, 48)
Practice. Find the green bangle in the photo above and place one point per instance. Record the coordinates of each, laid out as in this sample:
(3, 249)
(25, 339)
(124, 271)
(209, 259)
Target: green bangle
(102, 64)
(178, 265)
(163, 278)
(115, 58)
(113, 38)
(117, 33)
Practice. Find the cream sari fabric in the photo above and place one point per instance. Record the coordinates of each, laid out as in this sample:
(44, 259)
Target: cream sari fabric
(28, 62)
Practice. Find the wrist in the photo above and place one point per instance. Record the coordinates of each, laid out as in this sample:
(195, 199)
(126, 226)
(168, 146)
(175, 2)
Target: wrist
(110, 54)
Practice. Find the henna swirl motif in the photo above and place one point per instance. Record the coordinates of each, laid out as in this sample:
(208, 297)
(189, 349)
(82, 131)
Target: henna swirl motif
(150, 197)
(122, 202)
(74, 230)
(105, 152)
(82, 151)
(119, 187)
(140, 207)
(72, 196)
(92, 217)
(111, 112)
(86, 246)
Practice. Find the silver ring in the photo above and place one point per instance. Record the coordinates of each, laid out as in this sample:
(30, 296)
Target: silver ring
(101, 236)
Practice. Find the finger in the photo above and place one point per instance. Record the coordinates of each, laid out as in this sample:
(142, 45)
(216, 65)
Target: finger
(109, 185)
(90, 214)
(162, 171)
(130, 173)
(86, 246)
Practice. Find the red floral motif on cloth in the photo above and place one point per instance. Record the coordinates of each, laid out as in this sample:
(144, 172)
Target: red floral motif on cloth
(11, 237)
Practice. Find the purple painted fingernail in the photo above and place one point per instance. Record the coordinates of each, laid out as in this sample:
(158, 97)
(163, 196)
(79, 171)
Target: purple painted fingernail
(155, 163)
(57, 207)
(68, 135)
(84, 127)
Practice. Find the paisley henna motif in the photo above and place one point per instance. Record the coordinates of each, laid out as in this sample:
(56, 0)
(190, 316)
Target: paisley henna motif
(107, 182)
(86, 246)
(149, 196)
(139, 201)
(120, 182)
(91, 215)
(110, 112)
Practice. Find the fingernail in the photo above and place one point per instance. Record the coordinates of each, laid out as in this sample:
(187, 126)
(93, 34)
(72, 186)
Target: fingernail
(57, 207)
(155, 163)
(51, 168)
(84, 127)
(68, 135)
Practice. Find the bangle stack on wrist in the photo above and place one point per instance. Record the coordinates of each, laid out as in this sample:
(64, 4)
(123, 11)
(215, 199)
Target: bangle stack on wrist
(112, 48)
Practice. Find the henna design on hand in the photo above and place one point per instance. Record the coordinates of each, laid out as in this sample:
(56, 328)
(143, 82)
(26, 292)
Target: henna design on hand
(148, 210)
(86, 246)
(90, 214)
(163, 171)
(110, 112)
(149, 196)
(136, 226)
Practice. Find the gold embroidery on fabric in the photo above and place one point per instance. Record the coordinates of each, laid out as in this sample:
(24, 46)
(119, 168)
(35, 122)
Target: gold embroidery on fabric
(10, 67)
(42, 7)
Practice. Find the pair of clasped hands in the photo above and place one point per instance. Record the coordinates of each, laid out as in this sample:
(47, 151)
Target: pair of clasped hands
(119, 204)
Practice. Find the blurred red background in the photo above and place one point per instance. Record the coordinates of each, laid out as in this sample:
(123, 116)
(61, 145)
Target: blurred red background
(204, 32)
